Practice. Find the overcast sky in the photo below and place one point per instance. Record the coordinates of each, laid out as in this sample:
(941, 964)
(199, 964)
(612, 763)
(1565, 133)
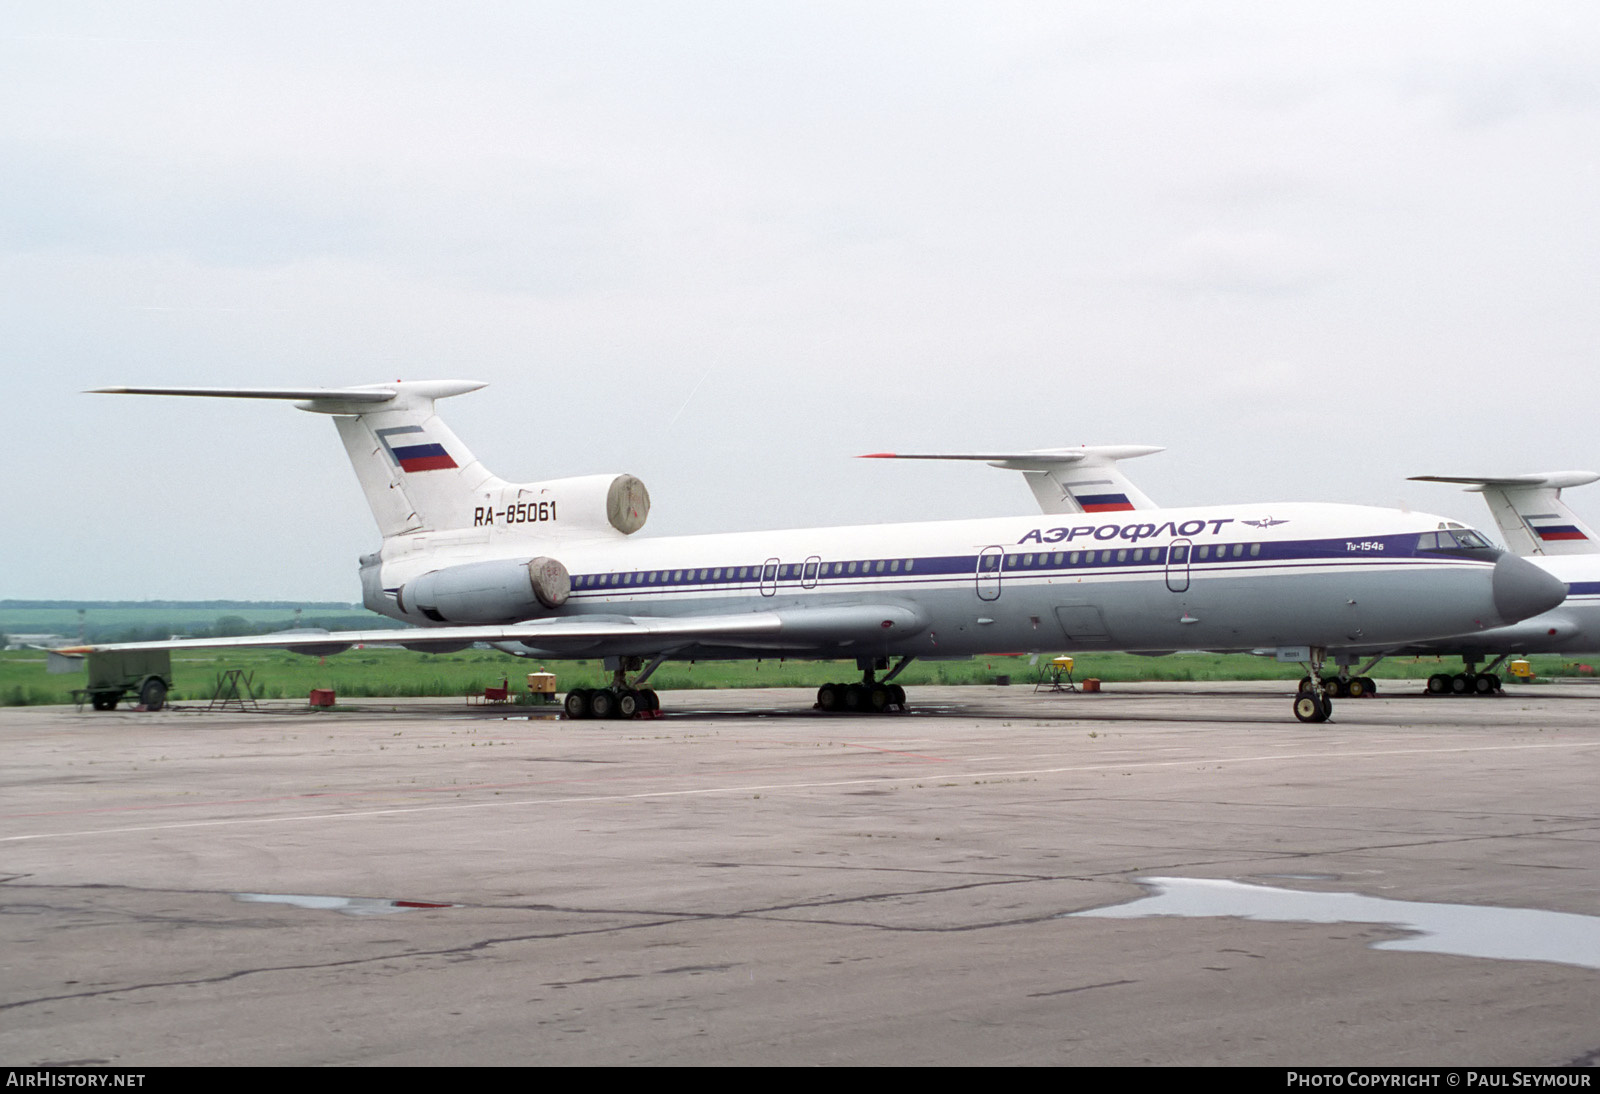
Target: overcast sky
(1310, 248)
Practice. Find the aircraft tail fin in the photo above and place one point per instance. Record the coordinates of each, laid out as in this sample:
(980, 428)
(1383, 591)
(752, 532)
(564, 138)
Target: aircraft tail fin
(1530, 513)
(418, 476)
(1063, 480)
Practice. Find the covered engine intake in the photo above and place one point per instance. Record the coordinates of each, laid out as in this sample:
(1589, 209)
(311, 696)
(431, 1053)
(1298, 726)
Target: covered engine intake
(501, 591)
(597, 503)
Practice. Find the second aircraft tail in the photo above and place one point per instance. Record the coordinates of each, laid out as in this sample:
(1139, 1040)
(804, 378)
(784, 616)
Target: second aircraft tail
(1530, 513)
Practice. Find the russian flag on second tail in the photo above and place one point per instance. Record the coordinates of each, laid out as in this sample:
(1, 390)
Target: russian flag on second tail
(1549, 526)
(1103, 503)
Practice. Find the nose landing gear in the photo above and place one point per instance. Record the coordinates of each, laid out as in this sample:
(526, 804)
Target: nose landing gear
(1312, 704)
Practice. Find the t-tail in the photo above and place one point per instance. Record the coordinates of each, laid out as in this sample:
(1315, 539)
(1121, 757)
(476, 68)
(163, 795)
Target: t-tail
(1530, 513)
(1063, 480)
(419, 477)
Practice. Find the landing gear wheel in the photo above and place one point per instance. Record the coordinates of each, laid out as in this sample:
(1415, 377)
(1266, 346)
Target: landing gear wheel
(1336, 688)
(1356, 687)
(897, 696)
(1305, 686)
(1462, 683)
(829, 698)
(1369, 684)
(627, 704)
(855, 698)
(1486, 684)
(602, 703)
(576, 704)
(650, 702)
(1439, 683)
(878, 698)
(153, 696)
(1308, 708)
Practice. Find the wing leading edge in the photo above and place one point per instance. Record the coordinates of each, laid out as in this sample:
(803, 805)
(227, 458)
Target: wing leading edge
(796, 629)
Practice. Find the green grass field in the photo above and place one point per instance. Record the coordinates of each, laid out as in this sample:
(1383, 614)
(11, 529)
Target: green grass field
(368, 673)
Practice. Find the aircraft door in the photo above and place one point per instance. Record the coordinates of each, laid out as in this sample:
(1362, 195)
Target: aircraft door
(1178, 565)
(808, 577)
(989, 567)
(769, 577)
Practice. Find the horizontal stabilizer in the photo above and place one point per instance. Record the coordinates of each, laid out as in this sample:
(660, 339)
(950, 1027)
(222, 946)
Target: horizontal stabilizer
(1063, 480)
(371, 394)
(1554, 479)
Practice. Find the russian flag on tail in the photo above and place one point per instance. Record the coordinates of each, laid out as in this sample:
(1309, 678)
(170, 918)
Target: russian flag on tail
(1549, 531)
(408, 446)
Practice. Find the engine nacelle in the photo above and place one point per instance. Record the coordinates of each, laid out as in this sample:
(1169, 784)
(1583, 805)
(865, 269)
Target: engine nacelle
(505, 590)
(587, 503)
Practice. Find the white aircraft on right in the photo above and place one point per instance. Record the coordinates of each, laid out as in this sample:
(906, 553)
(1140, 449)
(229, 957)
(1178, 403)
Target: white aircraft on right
(1536, 524)
(1533, 520)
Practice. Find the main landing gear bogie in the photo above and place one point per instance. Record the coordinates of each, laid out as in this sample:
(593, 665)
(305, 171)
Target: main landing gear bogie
(1343, 687)
(612, 703)
(870, 696)
(874, 698)
(1464, 683)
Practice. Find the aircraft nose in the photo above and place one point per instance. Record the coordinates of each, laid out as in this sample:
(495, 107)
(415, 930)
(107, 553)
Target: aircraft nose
(1521, 589)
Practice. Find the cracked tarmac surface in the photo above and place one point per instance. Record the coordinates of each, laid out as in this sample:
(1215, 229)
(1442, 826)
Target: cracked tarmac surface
(749, 882)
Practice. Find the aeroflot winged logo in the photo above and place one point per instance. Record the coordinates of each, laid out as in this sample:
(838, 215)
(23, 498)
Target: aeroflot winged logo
(408, 446)
(1267, 522)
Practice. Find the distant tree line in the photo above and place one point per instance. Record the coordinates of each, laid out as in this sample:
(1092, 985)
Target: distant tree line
(233, 626)
(153, 625)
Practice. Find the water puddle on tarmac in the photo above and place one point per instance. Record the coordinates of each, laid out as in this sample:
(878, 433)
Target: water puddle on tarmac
(346, 905)
(1465, 930)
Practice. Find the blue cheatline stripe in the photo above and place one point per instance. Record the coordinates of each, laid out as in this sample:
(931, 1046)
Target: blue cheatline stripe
(1099, 559)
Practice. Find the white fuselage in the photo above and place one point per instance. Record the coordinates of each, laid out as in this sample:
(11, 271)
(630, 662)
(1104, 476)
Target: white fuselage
(1216, 577)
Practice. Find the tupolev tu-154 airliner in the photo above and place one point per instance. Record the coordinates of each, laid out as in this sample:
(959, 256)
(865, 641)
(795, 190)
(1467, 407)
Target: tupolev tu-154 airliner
(1533, 520)
(554, 570)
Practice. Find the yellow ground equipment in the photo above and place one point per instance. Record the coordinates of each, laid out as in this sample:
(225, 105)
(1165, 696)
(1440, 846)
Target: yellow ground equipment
(1057, 676)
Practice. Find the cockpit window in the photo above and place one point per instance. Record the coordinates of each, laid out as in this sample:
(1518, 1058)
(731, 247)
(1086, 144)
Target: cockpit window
(1461, 539)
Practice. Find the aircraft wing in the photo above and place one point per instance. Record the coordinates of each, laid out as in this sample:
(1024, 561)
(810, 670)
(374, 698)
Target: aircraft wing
(780, 629)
